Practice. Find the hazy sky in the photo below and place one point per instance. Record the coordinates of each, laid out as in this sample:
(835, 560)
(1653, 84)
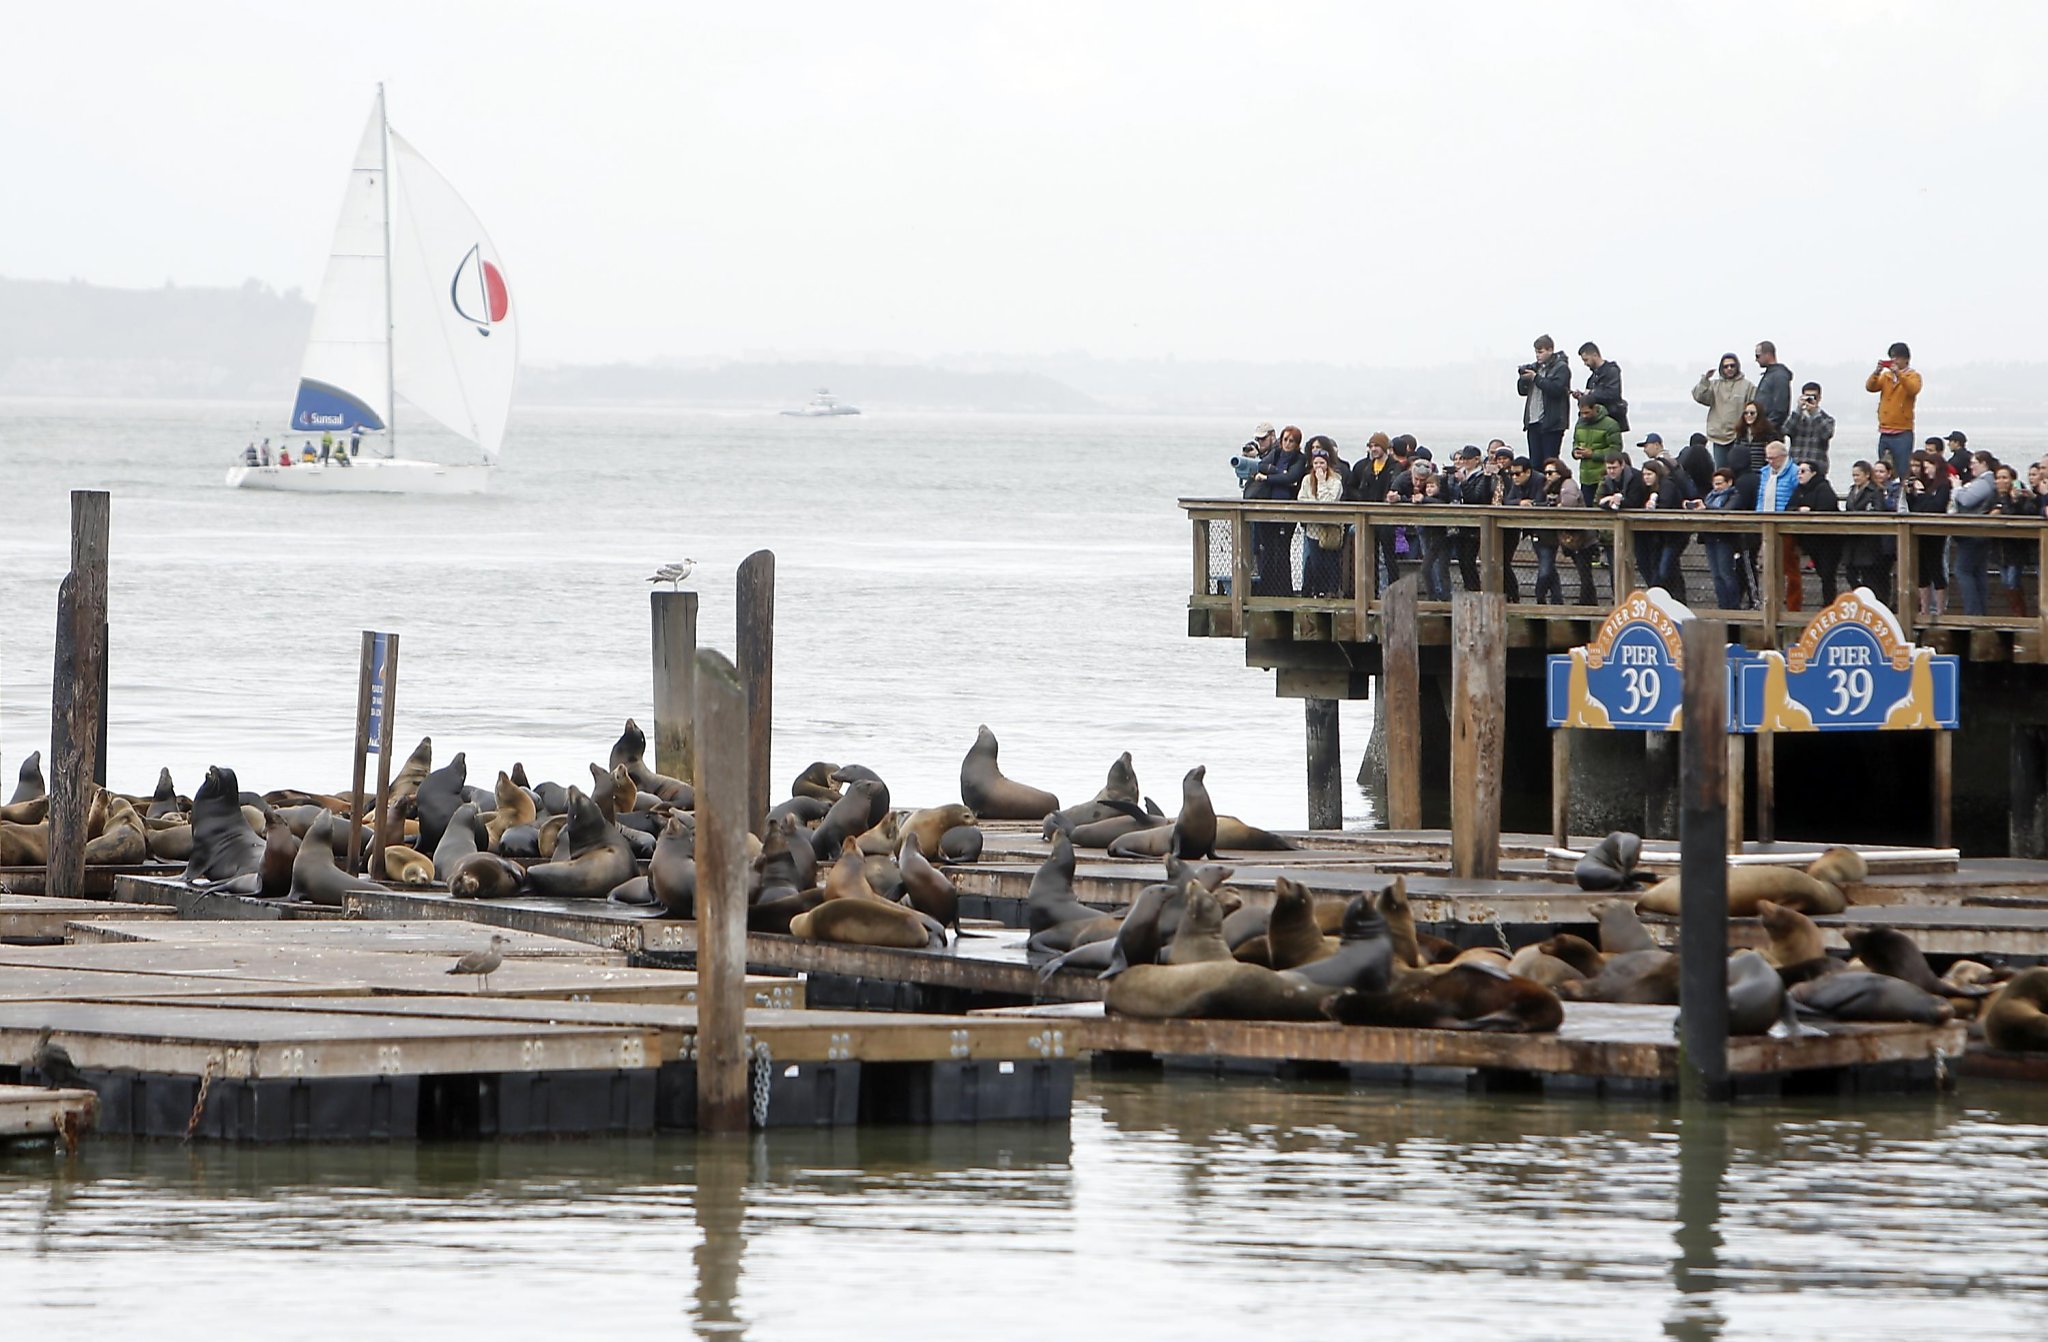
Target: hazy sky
(1401, 183)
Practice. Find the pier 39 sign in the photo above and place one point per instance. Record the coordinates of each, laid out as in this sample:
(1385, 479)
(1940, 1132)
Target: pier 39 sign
(1851, 670)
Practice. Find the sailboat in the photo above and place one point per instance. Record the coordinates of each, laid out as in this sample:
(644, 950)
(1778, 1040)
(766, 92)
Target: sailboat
(414, 302)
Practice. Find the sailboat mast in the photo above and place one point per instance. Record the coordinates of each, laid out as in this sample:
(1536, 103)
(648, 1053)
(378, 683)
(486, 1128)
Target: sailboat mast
(390, 361)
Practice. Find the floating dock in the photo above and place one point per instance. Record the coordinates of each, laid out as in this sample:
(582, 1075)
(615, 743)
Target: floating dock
(31, 1113)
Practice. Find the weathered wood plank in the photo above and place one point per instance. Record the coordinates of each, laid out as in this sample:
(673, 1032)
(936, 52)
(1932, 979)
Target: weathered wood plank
(1478, 734)
(1401, 713)
(675, 680)
(38, 917)
(32, 1111)
(754, 664)
(726, 782)
(444, 938)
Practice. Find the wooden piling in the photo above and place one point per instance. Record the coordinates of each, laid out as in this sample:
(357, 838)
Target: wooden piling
(1660, 782)
(1401, 706)
(1703, 864)
(356, 806)
(1325, 767)
(1478, 704)
(1766, 786)
(1560, 786)
(77, 698)
(675, 680)
(387, 823)
(754, 647)
(1738, 758)
(722, 784)
(1944, 789)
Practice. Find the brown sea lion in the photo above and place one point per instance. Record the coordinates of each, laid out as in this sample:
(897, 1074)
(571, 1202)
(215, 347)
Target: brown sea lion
(630, 751)
(1292, 937)
(816, 782)
(1199, 938)
(407, 866)
(1212, 990)
(598, 857)
(847, 877)
(1462, 997)
(929, 891)
(2016, 1017)
(929, 825)
(1855, 995)
(672, 871)
(28, 781)
(280, 852)
(1575, 951)
(1539, 966)
(1748, 886)
(1102, 833)
(1887, 950)
(223, 844)
(551, 831)
(170, 841)
(24, 845)
(1840, 867)
(405, 784)
(515, 807)
(1235, 835)
(990, 795)
(315, 878)
(121, 840)
(33, 811)
(485, 876)
(864, 922)
(884, 837)
(1637, 977)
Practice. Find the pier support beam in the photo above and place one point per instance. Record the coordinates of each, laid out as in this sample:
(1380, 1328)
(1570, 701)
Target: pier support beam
(754, 652)
(721, 786)
(2027, 780)
(1660, 785)
(1703, 866)
(1325, 765)
(1479, 675)
(78, 693)
(1401, 709)
(675, 680)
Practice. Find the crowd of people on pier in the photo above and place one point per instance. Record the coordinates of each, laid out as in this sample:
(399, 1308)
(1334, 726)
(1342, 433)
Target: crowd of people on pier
(1764, 448)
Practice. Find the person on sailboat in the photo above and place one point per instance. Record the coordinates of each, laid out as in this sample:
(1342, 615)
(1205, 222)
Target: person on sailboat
(341, 458)
(249, 453)
(284, 456)
(306, 457)
(264, 452)
(355, 440)
(326, 447)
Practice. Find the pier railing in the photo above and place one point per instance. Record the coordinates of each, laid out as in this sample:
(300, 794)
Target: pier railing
(1476, 547)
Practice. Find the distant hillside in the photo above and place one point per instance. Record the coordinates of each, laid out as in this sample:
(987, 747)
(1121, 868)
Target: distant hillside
(76, 339)
(757, 384)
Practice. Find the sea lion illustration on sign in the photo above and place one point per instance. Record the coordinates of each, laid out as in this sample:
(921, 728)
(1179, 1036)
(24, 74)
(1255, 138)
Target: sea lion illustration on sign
(1582, 709)
(1781, 712)
(1915, 712)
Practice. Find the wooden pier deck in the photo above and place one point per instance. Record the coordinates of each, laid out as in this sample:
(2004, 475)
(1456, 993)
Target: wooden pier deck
(1622, 1050)
(37, 918)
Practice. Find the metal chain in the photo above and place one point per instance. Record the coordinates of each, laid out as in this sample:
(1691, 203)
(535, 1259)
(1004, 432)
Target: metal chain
(199, 1101)
(1940, 1068)
(764, 1076)
(1500, 932)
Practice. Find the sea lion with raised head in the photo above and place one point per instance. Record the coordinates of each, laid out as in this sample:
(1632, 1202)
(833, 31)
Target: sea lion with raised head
(458, 841)
(1887, 950)
(442, 792)
(164, 801)
(1621, 928)
(1199, 938)
(884, 837)
(115, 833)
(1412, 949)
(1856, 995)
(1756, 995)
(223, 845)
(280, 852)
(927, 888)
(990, 795)
(850, 774)
(630, 751)
(1137, 941)
(1292, 937)
(1611, 863)
(928, 826)
(1795, 943)
(28, 781)
(514, 808)
(816, 782)
(315, 878)
(1195, 825)
(485, 876)
(672, 871)
(851, 815)
(2016, 1017)
(1050, 900)
(597, 858)
(1364, 958)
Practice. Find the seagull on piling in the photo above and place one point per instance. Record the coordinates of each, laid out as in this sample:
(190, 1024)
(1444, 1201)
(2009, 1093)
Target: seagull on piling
(673, 574)
(482, 963)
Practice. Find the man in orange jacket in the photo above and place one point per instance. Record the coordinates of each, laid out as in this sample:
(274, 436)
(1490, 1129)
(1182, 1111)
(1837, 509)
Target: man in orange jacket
(1897, 384)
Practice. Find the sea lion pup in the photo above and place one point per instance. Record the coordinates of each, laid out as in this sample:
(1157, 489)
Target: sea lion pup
(883, 838)
(672, 872)
(1534, 963)
(439, 796)
(315, 878)
(1748, 886)
(816, 782)
(1840, 867)
(630, 750)
(1633, 977)
(849, 816)
(1965, 973)
(28, 783)
(1886, 950)
(1621, 928)
(1855, 995)
(164, 801)
(927, 888)
(1468, 996)
(929, 825)
(860, 773)
(514, 808)
(407, 866)
(596, 858)
(1292, 937)
(1756, 995)
(458, 841)
(485, 876)
(990, 795)
(962, 843)
(2014, 1019)
(223, 845)
(1611, 863)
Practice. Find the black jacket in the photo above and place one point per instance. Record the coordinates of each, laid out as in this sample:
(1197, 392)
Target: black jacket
(1283, 471)
(1629, 486)
(1774, 392)
(1362, 484)
(1698, 465)
(1816, 494)
(1603, 384)
(1553, 380)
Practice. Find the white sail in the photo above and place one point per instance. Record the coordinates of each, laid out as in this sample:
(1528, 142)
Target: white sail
(454, 337)
(343, 382)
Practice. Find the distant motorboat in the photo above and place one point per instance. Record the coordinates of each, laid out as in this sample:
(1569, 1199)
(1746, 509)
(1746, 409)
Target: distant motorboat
(821, 405)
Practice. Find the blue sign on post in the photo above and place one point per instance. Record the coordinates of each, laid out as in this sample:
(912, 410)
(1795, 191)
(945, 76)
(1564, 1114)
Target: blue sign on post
(1628, 678)
(380, 655)
(1852, 670)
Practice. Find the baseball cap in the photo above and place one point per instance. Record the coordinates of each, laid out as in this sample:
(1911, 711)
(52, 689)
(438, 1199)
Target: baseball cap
(1262, 429)
(1698, 440)
(1422, 454)
(1468, 453)
(1959, 437)
(1651, 438)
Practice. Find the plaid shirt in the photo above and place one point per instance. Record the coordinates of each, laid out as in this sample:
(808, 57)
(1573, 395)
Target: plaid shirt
(1807, 436)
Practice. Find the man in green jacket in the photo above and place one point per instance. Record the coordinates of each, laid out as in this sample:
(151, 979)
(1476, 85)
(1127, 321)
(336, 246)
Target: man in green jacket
(1596, 435)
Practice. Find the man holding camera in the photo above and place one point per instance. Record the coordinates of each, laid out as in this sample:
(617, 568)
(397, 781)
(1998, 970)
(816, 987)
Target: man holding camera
(1809, 429)
(1545, 388)
(1897, 385)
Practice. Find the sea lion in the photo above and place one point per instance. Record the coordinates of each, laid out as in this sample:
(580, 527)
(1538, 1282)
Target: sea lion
(521, 843)
(485, 876)
(1886, 950)
(1756, 995)
(1840, 867)
(170, 842)
(164, 801)
(796, 845)
(1364, 958)
(990, 795)
(1392, 905)
(2014, 1018)
(928, 826)
(407, 866)
(1196, 823)
(552, 829)
(860, 773)
(634, 891)
(458, 841)
(672, 872)
(1292, 937)
(816, 782)
(597, 860)
(121, 840)
(24, 845)
(1121, 783)
(1050, 901)
(884, 837)
(1794, 940)
(775, 915)
(847, 877)
(551, 798)
(442, 792)
(1236, 836)
(1855, 995)
(1611, 863)
(33, 811)
(280, 851)
(929, 891)
(774, 873)
(630, 751)
(961, 844)
(1137, 941)
(612, 791)
(865, 922)
(1539, 966)
(28, 782)
(514, 808)
(1102, 833)
(850, 815)
(1748, 886)
(1636, 977)
(1575, 951)
(1153, 841)
(315, 878)
(1211, 990)
(1199, 938)
(1621, 928)
(223, 845)
(405, 784)
(804, 810)
(1463, 997)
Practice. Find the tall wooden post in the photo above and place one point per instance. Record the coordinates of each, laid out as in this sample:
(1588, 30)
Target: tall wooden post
(77, 701)
(1325, 765)
(1944, 788)
(1766, 786)
(1660, 782)
(387, 823)
(754, 646)
(1560, 786)
(675, 680)
(1738, 759)
(1703, 865)
(1401, 706)
(356, 800)
(721, 784)
(1479, 676)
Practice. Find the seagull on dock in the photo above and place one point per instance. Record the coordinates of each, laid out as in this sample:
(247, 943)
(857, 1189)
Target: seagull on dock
(673, 574)
(482, 963)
